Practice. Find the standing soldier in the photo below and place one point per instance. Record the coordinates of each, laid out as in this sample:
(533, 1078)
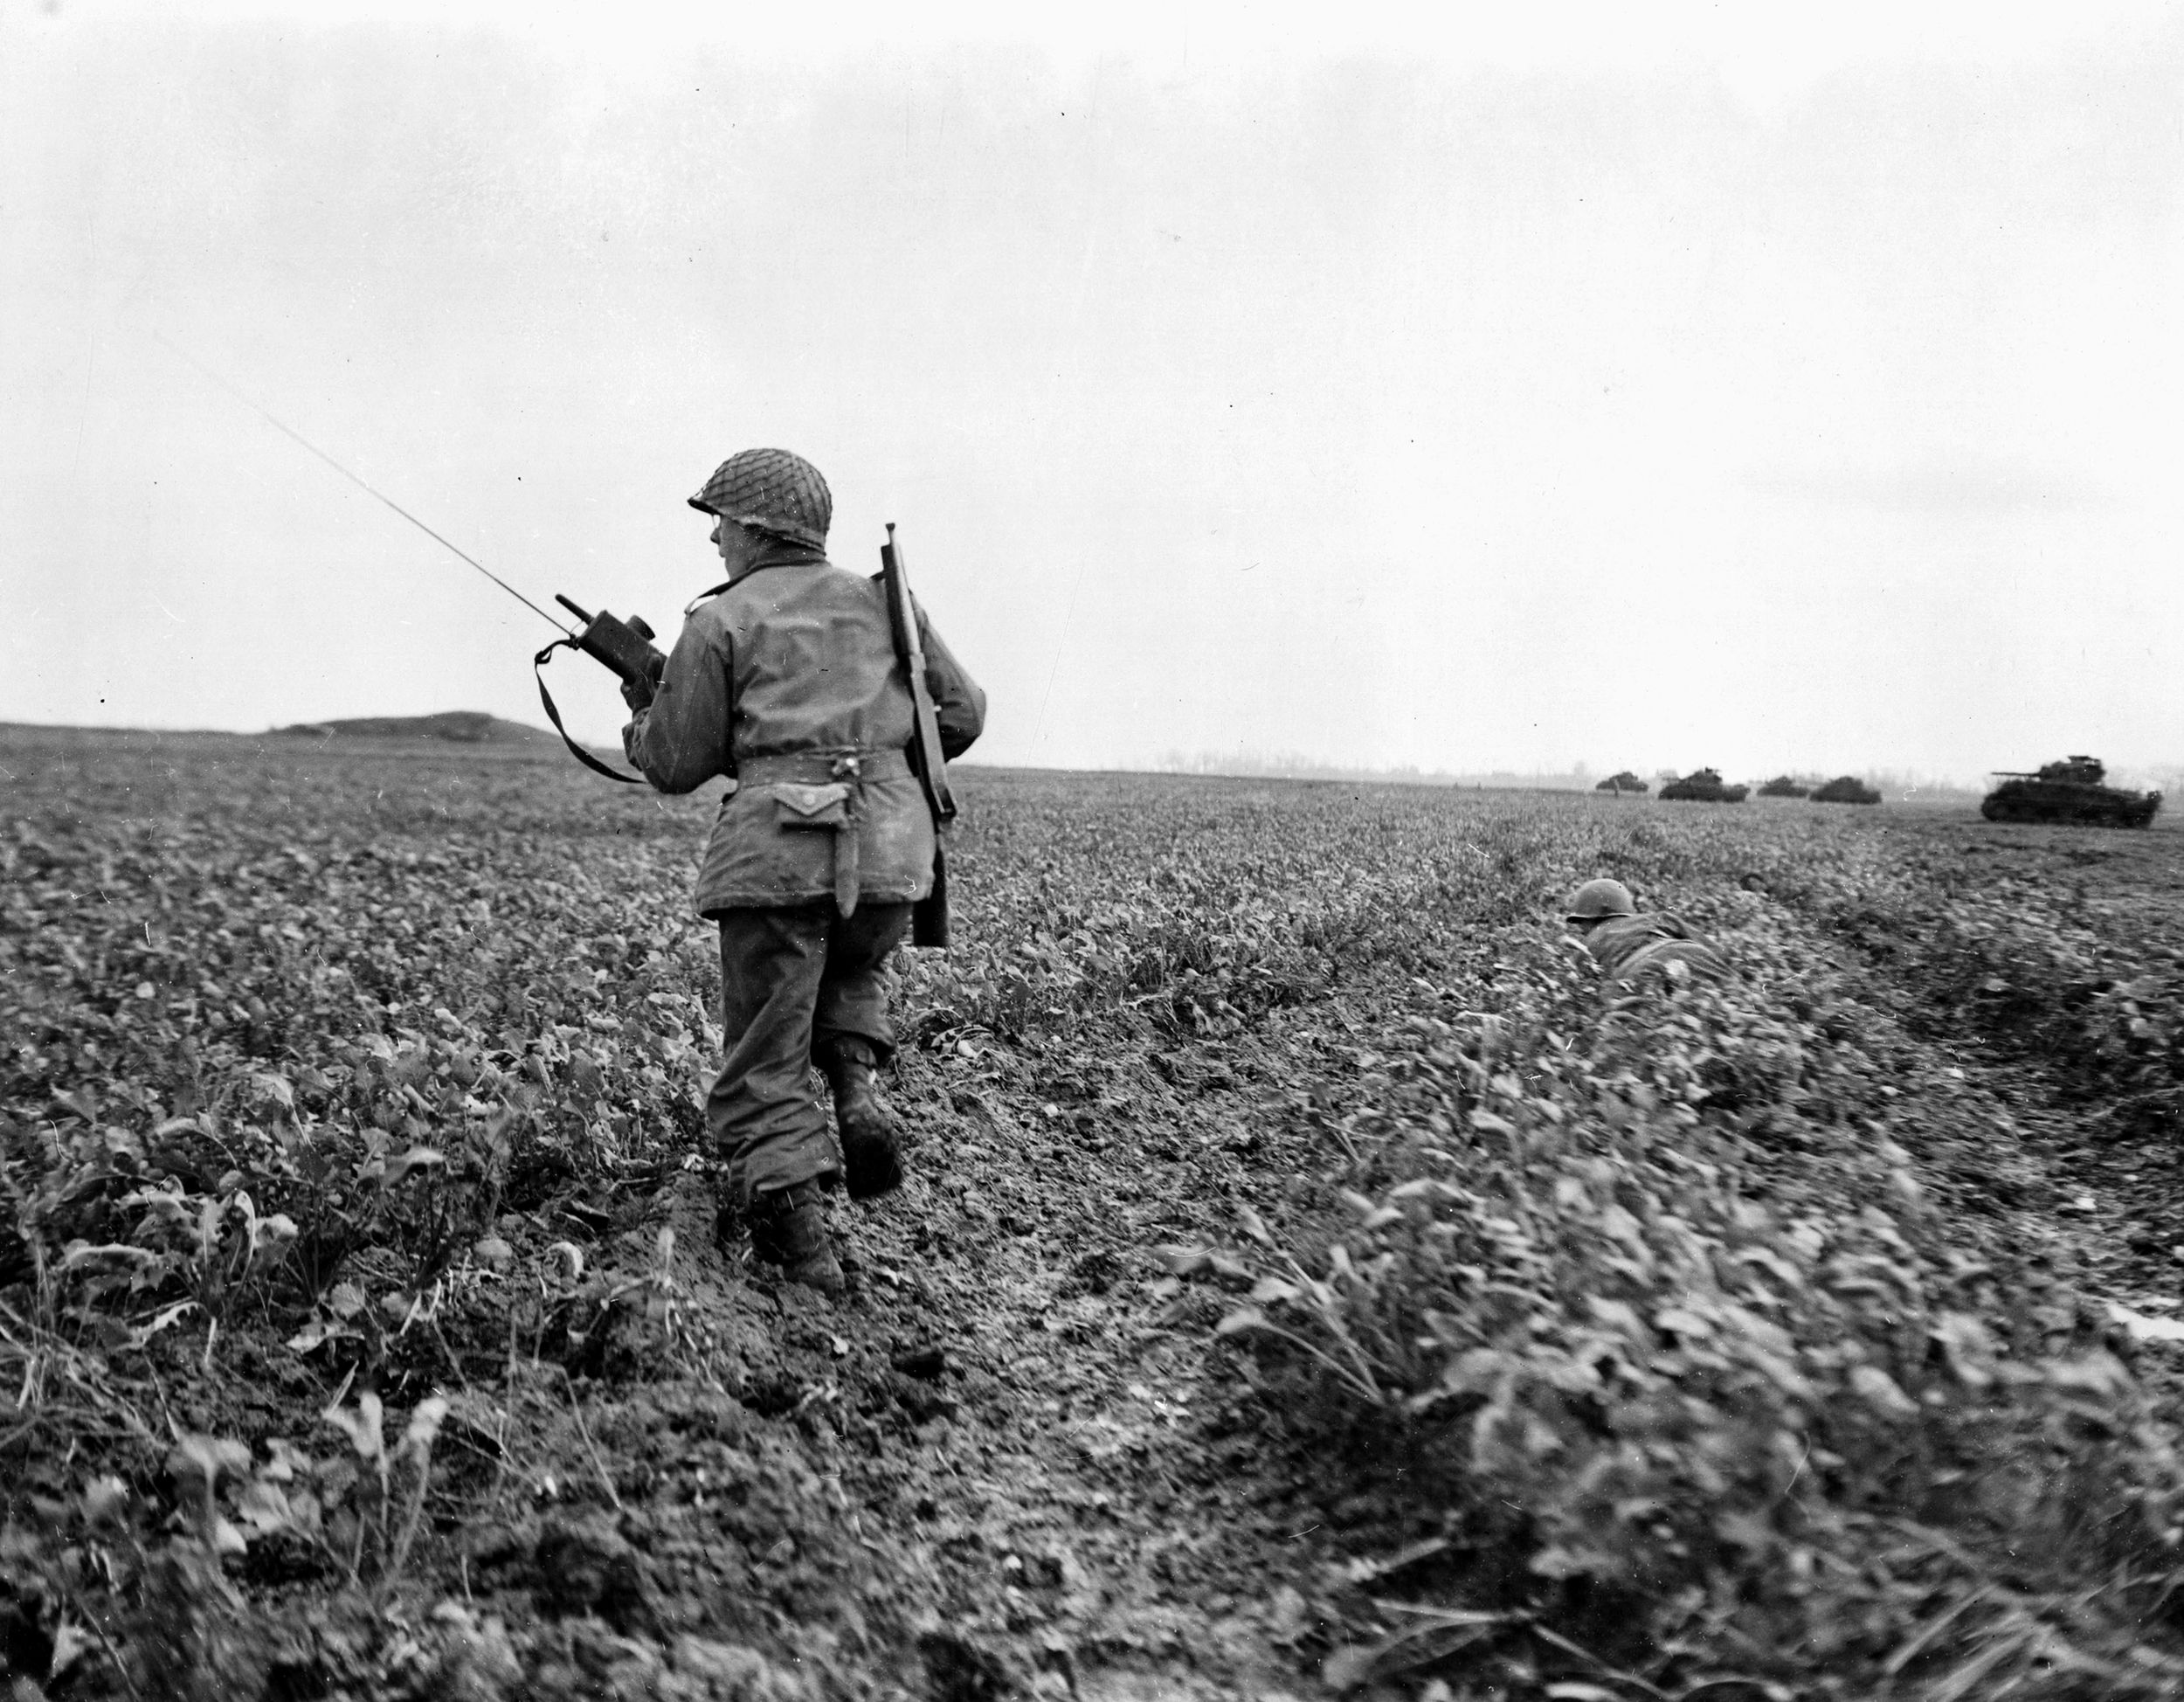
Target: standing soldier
(786, 680)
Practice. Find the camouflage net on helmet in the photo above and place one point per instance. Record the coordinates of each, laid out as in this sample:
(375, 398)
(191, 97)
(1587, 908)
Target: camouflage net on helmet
(771, 490)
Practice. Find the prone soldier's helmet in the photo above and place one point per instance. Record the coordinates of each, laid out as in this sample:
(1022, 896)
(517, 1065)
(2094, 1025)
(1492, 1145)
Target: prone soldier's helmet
(770, 490)
(1599, 899)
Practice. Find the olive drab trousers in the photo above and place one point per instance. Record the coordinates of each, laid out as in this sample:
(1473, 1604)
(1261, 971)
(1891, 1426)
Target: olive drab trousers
(793, 978)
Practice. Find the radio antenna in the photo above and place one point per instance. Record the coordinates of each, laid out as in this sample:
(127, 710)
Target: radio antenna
(298, 437)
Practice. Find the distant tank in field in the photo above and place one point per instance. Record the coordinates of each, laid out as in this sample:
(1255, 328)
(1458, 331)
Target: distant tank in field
(1704, 786)
(2074, 789)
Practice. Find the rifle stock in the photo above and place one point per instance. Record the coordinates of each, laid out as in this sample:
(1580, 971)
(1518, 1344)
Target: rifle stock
(929, 918)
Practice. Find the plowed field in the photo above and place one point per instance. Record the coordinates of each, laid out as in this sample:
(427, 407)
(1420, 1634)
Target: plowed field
(1309, 1280)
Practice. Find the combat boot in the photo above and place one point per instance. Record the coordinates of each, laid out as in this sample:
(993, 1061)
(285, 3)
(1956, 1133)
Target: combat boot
(872, 1162)
(788, 1227)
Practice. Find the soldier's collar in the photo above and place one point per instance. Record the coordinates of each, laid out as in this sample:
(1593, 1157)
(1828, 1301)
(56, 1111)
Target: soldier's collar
(711, 591)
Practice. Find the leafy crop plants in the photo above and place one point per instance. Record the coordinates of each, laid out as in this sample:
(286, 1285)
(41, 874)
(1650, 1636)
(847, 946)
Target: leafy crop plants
(1310, 1282)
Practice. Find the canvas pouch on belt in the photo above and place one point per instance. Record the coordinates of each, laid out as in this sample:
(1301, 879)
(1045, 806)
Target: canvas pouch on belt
(826, 809)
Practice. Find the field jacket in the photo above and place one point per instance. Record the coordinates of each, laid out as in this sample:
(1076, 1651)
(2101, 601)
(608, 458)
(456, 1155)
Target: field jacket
(1629, 945)
(787, 681)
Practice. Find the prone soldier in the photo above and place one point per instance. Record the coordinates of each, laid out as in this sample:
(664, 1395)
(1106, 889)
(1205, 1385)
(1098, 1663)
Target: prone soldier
(785, 678)
(1628, 945)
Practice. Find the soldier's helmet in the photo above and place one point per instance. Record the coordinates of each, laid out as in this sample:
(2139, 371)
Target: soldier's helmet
(770, 490)
(1599, 899)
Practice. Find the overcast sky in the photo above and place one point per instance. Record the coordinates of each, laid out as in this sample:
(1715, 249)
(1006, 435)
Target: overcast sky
(1627, 386)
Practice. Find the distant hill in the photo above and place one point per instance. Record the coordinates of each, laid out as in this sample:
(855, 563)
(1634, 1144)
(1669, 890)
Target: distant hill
(452, 727)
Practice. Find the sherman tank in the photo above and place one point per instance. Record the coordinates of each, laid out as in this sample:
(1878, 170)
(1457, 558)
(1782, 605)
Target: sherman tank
(1704, 786)
(2074, 789)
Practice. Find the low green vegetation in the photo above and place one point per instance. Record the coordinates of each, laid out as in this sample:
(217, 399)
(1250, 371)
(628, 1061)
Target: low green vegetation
(1684, 1342)
(1660, 1301)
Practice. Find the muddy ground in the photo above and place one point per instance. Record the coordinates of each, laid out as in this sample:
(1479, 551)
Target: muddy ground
(1013, 1459)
